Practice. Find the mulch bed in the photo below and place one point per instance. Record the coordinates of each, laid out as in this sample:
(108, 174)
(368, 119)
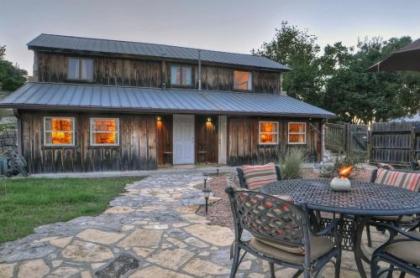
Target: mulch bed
(219, 212)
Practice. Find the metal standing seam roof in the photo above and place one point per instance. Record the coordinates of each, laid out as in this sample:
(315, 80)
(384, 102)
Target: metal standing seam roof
(35, 95)
(71, 43)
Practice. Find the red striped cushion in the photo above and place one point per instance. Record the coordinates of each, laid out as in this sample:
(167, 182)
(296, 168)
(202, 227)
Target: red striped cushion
(259, 175)
(409, 181)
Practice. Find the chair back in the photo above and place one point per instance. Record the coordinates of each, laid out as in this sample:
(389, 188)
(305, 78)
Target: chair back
(267, 217)
(241, 177)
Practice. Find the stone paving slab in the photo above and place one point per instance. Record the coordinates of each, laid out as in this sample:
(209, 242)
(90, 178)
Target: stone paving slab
(151, 230)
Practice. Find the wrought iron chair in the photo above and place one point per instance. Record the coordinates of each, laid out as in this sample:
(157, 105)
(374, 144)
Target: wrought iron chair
(241, 177)
(401, 251)
(281, 234)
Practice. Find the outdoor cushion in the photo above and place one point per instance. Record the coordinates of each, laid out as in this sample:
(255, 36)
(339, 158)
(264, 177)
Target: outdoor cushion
(259, 175)
(409, 181)
(319, 247)
(407, 250)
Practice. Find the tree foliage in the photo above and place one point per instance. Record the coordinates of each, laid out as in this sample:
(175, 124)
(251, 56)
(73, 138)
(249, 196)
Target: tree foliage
(11, 76)
(337, 79)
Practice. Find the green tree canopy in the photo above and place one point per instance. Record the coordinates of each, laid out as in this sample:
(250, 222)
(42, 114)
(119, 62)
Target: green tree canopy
(11, 76)
(337, 79)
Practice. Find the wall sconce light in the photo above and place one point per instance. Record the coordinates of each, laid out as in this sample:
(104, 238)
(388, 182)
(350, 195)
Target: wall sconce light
(209, 120)
(158, 118)
(159, 122)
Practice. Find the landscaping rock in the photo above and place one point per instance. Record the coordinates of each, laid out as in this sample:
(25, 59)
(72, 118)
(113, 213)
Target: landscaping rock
(121, 265)
(87, 252)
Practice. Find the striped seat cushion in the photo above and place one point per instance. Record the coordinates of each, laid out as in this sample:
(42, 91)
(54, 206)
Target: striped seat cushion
(259, 175)
(409, 181)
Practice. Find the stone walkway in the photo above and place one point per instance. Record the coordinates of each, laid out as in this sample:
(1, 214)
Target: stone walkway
(149, 231)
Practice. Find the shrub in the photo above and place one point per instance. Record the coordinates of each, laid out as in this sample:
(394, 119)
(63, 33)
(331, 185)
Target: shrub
(291, 167)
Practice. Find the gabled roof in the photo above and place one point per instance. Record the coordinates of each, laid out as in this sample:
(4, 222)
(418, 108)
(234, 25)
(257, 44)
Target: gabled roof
(103, 46)
(67, 96)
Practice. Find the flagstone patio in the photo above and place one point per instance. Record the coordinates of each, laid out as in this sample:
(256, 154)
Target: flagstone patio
(151, 230)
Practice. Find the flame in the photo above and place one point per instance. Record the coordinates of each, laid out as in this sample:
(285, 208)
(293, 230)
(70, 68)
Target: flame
(344, 172)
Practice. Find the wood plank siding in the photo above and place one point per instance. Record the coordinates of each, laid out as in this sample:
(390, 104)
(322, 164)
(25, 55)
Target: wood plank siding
(244, 148)
(122, 71)
(137, 148)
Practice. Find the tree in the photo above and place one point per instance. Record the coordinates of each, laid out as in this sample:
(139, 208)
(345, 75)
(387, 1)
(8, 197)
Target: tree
(338, 80)
(11, 76)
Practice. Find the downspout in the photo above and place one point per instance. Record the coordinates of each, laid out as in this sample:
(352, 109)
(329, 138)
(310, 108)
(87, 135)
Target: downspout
(19, 131)
(199, 70)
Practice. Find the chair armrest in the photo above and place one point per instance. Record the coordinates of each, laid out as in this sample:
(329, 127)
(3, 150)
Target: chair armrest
(329, 229)
(394, 230)
(373, 175)
(278, 172)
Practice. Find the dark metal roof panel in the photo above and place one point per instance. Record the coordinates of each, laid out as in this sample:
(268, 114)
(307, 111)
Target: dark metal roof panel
(154, 50)
(101, 97)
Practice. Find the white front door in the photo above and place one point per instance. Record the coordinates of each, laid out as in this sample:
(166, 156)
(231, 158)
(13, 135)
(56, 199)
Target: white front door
(183, 139)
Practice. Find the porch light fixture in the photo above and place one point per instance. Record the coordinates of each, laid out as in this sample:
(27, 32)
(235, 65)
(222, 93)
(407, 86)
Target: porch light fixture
(209, 120)
(206, 192)
(158, 118)
(159, 121)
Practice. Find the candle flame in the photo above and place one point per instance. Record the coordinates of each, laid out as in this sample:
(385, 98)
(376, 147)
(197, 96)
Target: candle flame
(344, 172)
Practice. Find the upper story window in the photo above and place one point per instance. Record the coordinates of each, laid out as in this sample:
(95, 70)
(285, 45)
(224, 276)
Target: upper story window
(242, 80)
(268, 133)
(181, 75)
(80, 69)
(104, 131)
(59, 131)
(297, 133)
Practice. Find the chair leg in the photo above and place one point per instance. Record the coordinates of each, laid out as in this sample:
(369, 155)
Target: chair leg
(391, 270)
(402, 275)
(337, 264)
(374, 267)
(273, 275)
(369, 235)
(235, 262)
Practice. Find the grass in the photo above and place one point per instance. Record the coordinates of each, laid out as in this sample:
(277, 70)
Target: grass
(31, 202)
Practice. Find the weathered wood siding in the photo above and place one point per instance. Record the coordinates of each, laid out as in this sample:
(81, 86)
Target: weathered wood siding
(206, 139)
(52, 67)
(244, 148)
(137, 149)
(164, 140)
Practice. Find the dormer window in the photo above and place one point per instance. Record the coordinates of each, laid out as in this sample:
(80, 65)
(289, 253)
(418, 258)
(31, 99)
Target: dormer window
(80, 69)
(181, 75)
(242, 80)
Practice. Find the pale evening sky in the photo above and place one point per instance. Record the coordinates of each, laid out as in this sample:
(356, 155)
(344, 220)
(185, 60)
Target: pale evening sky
(236, 26)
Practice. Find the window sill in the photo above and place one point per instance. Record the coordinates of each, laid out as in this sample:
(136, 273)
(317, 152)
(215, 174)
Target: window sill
(58, 146)
(103, 146)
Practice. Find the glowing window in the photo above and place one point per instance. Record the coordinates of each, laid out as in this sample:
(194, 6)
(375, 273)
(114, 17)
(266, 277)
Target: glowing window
(58, 131)
(104, 131)
(297, 133)
(181, 75)
(268, 133)
(242, 80)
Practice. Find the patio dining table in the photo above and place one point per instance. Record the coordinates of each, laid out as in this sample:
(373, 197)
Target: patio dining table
(355, 207)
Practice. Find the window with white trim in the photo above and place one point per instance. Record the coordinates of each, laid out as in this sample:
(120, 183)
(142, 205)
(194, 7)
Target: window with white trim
(181, 75)
(268, 132)
(104, 131)
(80, 69)
(242, 80)
(58, 131)
(296, 133)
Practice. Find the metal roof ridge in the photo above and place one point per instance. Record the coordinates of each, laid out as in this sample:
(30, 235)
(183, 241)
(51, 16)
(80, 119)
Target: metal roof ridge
(153, 43)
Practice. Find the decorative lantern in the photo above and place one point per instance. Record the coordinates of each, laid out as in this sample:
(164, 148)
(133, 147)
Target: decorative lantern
(206, 192)
(342, 183)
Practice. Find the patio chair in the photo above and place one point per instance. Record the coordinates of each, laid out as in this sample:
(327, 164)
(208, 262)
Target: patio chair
(242, 180)
(396, 178)
(401, 251)
(280, 234)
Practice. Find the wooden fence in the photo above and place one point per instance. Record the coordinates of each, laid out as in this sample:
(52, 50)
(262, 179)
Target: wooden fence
(395, 143)
(349, 138)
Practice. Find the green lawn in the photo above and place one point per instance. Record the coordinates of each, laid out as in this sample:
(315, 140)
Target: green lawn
(31, 202)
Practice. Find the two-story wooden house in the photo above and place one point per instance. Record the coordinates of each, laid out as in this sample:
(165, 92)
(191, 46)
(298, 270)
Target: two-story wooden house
(101, 104)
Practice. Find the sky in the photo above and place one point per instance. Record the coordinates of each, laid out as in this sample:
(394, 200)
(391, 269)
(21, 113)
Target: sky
(234, 26)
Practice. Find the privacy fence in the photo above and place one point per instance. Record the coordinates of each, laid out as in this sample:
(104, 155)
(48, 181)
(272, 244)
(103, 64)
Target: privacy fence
(395, 143)
(8, 139)
(349, 138)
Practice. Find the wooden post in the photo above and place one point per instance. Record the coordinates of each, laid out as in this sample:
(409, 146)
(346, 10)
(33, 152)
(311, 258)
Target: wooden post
(412, 144)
